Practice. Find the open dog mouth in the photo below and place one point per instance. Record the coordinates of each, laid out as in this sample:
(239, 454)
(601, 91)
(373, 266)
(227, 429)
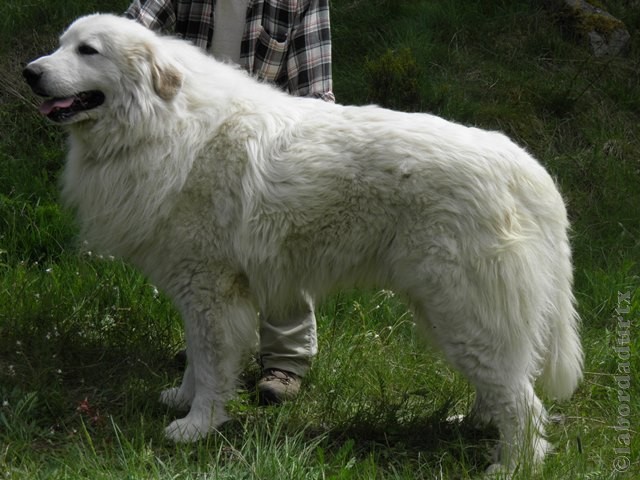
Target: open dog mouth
(62, 109)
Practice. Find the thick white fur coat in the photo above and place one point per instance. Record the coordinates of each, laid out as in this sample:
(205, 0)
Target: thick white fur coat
(234, 197)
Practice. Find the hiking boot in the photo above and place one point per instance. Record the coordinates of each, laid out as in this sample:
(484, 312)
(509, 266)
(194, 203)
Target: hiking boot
(276, 386)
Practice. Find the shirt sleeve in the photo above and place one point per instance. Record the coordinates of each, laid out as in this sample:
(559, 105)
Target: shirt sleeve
(159, 15)
(309, 58)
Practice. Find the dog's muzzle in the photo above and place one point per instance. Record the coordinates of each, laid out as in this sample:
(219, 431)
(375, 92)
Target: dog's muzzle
(61, 109)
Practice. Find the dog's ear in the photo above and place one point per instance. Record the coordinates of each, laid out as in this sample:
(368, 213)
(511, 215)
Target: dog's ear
(167, 80)
(144, 58)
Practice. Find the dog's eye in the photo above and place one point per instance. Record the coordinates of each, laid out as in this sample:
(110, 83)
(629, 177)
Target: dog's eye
(85, 49)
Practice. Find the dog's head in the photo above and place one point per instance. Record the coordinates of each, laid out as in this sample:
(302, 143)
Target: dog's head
(103, 62)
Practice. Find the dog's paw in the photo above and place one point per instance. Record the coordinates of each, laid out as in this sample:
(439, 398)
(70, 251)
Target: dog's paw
(175, 398)
(195, 426)
(187, 430)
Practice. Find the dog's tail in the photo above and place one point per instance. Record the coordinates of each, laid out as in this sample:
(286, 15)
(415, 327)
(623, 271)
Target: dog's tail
(564, 359)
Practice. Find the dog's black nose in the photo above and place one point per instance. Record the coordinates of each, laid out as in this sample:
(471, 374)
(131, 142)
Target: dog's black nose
(32, 76)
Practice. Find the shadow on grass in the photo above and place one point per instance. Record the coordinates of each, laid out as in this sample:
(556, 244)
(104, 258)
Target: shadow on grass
(429, 439)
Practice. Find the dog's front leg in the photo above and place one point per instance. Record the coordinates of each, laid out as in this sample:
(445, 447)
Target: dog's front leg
(182, 396)
(220, 325)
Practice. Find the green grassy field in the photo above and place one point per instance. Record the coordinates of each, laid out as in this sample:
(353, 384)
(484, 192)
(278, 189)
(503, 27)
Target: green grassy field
(86, 344)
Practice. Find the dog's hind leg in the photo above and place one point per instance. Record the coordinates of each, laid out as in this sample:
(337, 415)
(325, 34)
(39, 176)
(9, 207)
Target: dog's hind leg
(491, 329)
(220, 325)
(504, 396)
(521, 418)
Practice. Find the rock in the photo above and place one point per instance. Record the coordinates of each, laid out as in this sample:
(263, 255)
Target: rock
(616, 43)
(606, 35)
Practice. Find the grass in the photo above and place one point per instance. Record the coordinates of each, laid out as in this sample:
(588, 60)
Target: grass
(86, 343)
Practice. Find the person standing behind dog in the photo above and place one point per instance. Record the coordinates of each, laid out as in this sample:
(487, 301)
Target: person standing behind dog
(287, 43)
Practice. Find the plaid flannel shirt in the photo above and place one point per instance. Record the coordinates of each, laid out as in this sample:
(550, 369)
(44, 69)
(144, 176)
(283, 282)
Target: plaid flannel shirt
(286, 42)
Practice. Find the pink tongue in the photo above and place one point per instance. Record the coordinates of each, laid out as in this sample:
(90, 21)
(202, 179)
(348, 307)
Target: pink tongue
(49, 105)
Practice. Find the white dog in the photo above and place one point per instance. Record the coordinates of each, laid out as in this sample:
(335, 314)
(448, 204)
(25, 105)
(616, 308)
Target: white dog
(234, 197)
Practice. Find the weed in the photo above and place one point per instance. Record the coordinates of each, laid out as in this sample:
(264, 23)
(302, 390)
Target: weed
(393, 80)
